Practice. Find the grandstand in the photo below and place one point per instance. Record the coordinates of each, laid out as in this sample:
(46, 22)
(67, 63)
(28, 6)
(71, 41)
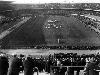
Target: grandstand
(52, 33)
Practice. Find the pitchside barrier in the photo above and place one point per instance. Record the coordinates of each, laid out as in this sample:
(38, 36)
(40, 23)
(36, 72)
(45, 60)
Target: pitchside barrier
(67, 70)
(72, 70)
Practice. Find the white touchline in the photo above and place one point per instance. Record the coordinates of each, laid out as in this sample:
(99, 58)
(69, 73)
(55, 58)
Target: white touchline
(8, 31)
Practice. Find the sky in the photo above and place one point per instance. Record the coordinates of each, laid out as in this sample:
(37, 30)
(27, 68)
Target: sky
(52, 1)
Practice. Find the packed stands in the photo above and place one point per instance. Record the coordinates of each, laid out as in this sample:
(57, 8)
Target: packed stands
(56, 64)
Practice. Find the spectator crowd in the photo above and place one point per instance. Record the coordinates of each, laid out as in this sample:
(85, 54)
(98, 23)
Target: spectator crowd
(56, 64)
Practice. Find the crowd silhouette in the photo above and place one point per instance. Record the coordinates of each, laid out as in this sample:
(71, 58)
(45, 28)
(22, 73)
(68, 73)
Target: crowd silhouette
(56, 64)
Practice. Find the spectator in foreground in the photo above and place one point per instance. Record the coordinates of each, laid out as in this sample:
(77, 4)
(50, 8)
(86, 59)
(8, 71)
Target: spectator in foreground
(14, 65)
(89, 69)
(3, 65)
(28, 66)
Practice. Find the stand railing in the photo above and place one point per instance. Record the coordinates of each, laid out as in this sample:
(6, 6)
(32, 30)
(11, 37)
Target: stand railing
(65, 70)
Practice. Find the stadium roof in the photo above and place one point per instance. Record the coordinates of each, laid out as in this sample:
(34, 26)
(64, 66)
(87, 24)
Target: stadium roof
(96, 10)
(74, 14)
(53, 1)
(88, 9)
(5, 2)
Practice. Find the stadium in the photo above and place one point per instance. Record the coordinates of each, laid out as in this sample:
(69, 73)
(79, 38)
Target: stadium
(52, 32)
(54, 26)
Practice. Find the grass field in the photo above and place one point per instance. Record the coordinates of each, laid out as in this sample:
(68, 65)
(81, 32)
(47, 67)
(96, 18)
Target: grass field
(72, 32)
